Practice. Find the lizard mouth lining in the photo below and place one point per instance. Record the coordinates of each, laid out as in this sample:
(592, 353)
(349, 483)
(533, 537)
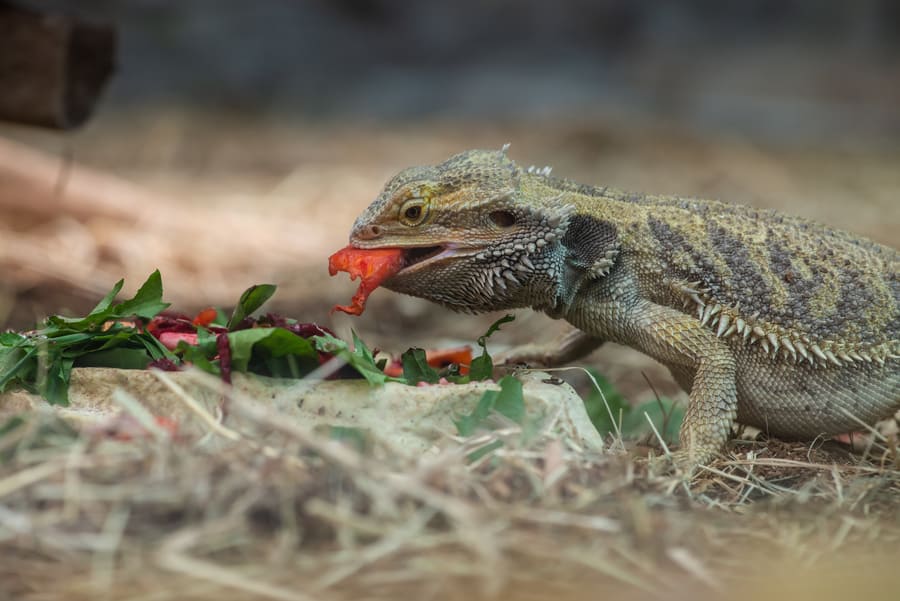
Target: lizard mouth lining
(413, 256)
(418, 256)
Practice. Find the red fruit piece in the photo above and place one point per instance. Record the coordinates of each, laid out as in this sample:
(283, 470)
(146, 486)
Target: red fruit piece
(372, 266)
(205, 317)
(438, 359)
(170, 340)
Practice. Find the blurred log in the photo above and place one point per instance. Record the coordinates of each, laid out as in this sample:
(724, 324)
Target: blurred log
(80, 229)
(52, 67)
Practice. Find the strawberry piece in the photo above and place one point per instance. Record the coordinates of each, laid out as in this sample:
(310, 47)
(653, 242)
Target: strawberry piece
(372, 266)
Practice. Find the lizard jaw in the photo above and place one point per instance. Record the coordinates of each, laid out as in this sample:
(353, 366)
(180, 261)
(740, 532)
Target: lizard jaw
(420, 256)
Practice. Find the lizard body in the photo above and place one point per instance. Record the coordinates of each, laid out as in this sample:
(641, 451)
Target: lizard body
(764, 319)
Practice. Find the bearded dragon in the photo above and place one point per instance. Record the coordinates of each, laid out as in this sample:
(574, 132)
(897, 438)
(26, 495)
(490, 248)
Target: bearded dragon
(764, 319)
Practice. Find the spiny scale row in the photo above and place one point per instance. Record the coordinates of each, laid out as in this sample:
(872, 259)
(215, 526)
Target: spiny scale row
(727, 322)
(603, 265)
(535, 170)
(511, 256)
(499, 275)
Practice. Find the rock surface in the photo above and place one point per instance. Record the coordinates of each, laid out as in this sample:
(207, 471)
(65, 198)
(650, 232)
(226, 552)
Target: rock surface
(413, 419)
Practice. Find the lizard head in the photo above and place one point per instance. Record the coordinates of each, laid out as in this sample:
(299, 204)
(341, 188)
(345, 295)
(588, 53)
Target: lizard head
(470, 240)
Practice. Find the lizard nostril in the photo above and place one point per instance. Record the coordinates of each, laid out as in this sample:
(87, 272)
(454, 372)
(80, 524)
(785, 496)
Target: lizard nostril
(368, 232)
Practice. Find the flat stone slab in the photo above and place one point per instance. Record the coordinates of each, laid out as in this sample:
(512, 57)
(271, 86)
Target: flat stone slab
(413, 418)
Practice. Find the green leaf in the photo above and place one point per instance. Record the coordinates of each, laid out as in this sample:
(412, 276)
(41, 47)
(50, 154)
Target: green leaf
(221, 319)
(360, 358)
(357, 438)
(42, 362)
(466, 425)
(494, 327)
(482, 366)
(12, 339)
(364, 362)
(416, 368)
(631, 422)
(665, 414)
(120, 358)
(606, 420)
(206, 340)
(507, 401)
(107, 300)
(278, 342)
(17, 364)
(65, 340)
(197, 357)
(200, 355)
(252, 299)
(147, 301)
(53, 384)
(155, 348)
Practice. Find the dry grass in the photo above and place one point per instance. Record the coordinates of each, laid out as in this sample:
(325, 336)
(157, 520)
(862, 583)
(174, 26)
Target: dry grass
(263, 510)
(259, 508)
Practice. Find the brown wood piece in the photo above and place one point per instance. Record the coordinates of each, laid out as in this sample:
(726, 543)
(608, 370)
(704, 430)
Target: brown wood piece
(52, 67)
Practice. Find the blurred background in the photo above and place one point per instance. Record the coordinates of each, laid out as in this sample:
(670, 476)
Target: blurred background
(237, 141)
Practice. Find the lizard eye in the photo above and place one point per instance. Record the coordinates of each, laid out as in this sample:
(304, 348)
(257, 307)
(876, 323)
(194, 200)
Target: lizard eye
(413, 211)
(503, 218)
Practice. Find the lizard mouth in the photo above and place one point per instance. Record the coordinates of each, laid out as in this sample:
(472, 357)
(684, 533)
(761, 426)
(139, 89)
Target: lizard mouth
(413, 256)
(417, 257)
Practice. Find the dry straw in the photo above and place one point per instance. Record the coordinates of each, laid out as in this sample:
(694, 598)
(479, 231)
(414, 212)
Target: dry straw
(260, 508)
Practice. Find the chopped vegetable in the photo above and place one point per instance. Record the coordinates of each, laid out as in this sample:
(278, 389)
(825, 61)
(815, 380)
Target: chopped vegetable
(170, 340)
(41, 361)
(361, 357)
(438, 359)
(205, 317)
(372, 266)
(138, 333)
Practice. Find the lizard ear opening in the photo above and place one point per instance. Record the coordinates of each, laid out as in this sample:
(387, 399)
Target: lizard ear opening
(503, 219)
(591, 243)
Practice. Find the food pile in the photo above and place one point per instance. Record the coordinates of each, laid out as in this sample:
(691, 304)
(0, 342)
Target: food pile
(141, 332)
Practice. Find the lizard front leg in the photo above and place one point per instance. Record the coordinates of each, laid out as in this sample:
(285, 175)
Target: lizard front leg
(681, 343)
(571, 345)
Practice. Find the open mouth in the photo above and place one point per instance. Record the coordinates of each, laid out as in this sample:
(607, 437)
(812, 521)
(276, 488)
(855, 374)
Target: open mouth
(413, 256)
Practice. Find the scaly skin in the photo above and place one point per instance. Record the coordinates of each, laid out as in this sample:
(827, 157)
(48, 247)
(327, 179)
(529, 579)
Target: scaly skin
(765, 319)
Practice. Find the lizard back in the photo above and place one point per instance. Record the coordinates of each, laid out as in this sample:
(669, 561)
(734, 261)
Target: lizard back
(769, 276)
